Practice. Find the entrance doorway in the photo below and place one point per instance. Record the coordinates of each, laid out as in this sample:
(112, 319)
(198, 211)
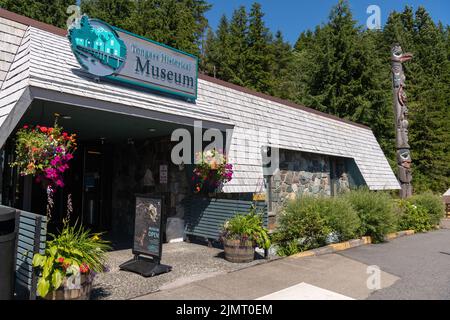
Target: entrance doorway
(96, 187)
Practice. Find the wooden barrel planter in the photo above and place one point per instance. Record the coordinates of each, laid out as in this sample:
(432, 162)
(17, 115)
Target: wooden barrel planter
(64, 293)
(238, 251)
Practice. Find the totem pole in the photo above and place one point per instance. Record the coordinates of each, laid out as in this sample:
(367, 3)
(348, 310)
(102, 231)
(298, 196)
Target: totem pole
(401, 120)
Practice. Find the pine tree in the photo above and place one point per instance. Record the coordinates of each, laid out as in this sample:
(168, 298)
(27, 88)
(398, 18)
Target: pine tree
(114, 12)
(259, 54)
(177, 23)
(282, 64)
(53, 12)
(239, 47)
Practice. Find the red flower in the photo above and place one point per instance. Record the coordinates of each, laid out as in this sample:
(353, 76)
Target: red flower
(25, 127)
(61, 260)
(84, 268)
(43, 129)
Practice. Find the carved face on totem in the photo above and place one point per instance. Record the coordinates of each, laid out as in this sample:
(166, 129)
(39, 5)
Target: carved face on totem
(398, 55)
(404, 158)
(396, 71)
(397, 52)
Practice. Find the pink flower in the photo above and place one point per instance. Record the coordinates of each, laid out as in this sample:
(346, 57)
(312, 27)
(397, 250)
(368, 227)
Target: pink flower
(60, 183)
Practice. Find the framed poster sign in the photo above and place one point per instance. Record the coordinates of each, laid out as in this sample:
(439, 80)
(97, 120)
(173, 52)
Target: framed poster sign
(147, 226)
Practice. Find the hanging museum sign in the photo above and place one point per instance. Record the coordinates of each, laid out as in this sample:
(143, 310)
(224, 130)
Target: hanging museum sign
(118, 55)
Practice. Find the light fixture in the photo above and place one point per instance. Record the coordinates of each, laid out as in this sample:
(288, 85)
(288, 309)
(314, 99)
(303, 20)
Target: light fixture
(152, 130)
(63, 116)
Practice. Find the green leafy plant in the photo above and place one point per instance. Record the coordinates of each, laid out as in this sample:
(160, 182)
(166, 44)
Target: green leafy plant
(301, 226)
(340, 217)
(432, 203)
(247, 227)
(414, 217)
(375, 211)
(73, 252)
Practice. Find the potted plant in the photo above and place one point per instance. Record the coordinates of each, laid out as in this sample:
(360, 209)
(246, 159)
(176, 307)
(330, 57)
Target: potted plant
(211, 171)
(241, 234)
(70, 263)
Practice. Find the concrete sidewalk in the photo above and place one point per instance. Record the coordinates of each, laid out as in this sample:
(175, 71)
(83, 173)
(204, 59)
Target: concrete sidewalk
(331, 272)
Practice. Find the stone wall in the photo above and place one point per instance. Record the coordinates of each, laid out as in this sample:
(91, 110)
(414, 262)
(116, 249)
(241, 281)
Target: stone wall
(308, 174)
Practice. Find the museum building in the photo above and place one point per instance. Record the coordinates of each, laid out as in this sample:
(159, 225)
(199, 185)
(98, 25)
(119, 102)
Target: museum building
(124, 124)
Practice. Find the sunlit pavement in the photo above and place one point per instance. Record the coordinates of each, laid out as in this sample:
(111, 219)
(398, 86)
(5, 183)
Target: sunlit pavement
(413, 267)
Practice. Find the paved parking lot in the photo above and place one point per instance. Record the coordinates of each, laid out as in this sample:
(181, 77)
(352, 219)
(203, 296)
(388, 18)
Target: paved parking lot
(422, 262)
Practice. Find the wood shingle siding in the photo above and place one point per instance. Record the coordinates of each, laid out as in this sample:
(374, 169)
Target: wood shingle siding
(11, 34)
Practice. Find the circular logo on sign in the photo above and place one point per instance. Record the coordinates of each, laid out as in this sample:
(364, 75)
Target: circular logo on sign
(97, 47)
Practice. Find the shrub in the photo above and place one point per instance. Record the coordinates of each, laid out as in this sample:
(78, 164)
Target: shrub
(432, 203)
(301, 227)
(375, 211)
(340, 216)
(414, 217)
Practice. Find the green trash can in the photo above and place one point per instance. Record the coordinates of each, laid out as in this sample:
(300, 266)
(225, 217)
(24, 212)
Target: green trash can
(7, 247)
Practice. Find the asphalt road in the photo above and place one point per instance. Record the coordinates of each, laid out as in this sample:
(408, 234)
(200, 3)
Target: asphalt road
(422, 262)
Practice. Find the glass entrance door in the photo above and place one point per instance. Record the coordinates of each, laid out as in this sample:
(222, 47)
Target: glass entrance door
(96, 185)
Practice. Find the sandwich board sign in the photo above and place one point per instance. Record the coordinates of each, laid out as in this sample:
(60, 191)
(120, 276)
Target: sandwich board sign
(147, 240)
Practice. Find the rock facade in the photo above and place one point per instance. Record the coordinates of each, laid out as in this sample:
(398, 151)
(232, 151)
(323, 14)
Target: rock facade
(307, 174)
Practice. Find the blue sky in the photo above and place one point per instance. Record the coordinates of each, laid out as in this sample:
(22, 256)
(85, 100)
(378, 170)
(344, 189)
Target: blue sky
(294, 16)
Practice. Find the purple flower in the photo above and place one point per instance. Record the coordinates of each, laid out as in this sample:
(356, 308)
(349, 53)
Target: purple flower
(50, 173)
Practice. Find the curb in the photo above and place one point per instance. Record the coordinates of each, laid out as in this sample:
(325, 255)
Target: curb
(391, 236)
(336, 247)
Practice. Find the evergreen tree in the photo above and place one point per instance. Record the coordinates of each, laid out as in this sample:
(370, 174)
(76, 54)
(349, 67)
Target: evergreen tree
(114, 12)
(239, 47)
(177, 23)
(282, 64)
(217, 57)
(53, 12)
(259, 55)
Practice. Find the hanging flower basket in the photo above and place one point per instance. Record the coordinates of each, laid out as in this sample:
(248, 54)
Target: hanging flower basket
(44, 153)
(211, 171)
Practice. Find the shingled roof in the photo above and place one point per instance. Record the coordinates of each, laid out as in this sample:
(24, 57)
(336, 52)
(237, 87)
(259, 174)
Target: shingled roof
(40, 61)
